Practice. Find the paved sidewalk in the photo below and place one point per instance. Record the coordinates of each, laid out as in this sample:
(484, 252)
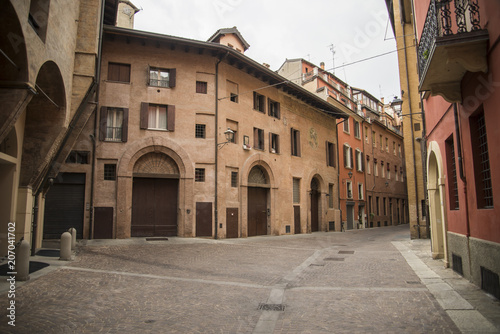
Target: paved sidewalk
(361, 281)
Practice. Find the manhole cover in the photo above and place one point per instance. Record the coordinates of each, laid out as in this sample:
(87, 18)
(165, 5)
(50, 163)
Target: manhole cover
(346, 252)
(334, 259)
(272, 307)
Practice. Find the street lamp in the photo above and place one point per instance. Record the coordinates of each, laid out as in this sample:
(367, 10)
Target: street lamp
(396, 105)
(350, 174)
(229, 137)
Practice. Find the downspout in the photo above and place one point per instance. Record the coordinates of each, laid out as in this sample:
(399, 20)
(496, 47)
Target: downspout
(216, 202)
(412, 134)
(463, 178)
(93, 136)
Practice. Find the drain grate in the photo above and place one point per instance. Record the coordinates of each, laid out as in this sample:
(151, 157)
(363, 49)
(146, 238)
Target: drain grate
(271, 307)
(346, 252)
(316, 265)
(333, 259)
(156, 239)
(412, 282)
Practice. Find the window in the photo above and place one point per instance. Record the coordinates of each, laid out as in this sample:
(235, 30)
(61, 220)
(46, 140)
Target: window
(366, 135)
(274, 109)
(119, 72)
(375, 167)
(373, 139)
(331, 153)
(381, 143)
(201, 87)
(259, 102)
(399, 150)
(349, 189)
(401, 173)
(110, 172)
(424, 209)
(347, 156)
(377, 204)
(394, 147)
(346, 125)
(232, 91)
(360, 191)
(384, 206)
(38, 17)
(386, 144)
(382, 168)
(370, 204)
(482, 173)
(162, 77)
(234, 179)
(295, 141)
(416, 126)
(388, 172)
(452, 173)
(356, 130)
(359, 161)
(274, 143)
(157, 117)
(113, 124)
(200, 131)
(368, 166)
(330, 196)
(78, 157)
(296, 190)
(258, 139)
(199, 175)
(396, 172)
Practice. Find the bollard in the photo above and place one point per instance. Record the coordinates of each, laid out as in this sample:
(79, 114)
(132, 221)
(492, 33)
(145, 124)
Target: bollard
(65, 247)
(23, 261)
(73, 237)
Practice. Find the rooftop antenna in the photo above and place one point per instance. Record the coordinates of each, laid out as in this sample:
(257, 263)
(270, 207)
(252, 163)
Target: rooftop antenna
(332, 49)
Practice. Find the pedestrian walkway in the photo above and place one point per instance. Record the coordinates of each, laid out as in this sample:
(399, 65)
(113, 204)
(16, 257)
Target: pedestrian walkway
(361, 281)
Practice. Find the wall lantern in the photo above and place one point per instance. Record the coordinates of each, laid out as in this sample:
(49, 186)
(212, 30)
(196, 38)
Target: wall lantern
(229, 137)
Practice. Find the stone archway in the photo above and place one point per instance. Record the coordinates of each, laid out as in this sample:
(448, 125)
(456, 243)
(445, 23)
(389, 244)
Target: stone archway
(435, 186)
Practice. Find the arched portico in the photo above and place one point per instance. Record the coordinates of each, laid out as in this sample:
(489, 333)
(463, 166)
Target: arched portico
(436, 187)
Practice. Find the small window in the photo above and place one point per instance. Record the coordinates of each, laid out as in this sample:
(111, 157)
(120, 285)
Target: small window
(356, 130)
(201, 87)
(110, 172)
(258, 139)
(346, 126)
(78, 157)
(296, 190)
(119, 72)
(259, 102)
(416, 126)
(274, 109)
(162, 77)
(199, 175)
(234, 179)
(200, 131)
(232, 91)
(295, 141)
(274, 143)
(331, 154)
(157, 117)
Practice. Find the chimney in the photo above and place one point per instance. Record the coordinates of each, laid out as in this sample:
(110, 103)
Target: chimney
(382, 100)
(322, 65)
(125, 14)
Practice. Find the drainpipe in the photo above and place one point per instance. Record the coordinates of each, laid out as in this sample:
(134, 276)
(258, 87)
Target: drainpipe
(463, 178)
(412, 134)
(93, 136)
(216, 202)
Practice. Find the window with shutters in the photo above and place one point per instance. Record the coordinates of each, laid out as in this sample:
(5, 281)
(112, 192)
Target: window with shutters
(201, 87)
(295, 142)
(359, 161)
(162, 77)
(330, 196)
(356, 130)
(274, 109)
(119, 72)
(157, 117)
(274, 143)
(346, 126)
(258, 139)
(331, 154)
(259, 102)
(296, 190)
(113, 124)
(348, 159)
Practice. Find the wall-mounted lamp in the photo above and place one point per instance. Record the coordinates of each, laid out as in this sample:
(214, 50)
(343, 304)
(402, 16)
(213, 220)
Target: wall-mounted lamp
(350, 174)
(397, 105)
(386, 183)
(229, 137)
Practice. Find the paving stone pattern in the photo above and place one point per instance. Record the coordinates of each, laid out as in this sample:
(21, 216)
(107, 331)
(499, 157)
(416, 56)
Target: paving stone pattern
(216, 286)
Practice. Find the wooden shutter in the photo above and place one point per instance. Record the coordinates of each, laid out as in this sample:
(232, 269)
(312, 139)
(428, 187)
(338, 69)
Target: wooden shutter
(334, 154)
(271, 141)
(256, 138)
(357, 162)
(144, 115)
(278, 110)
(327, 145)
(278, 144)
(171, 77)
(351, 156)
(298, 143)
(103, 119)
(345, 155)
(171, 117)
(113, 72)
(255, 101)
(125, 125)
(362, 162)
(124, 73)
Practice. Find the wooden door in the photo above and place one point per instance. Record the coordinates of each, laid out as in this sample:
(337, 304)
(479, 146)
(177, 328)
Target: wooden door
(350, 216)
(103, 223)
(154, 207)
(231, 222)
(204, 220)
(296, 219)
(314, 211)
(257, 211)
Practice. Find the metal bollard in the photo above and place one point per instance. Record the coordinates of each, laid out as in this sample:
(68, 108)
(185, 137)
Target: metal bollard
(65, 247)
(73, 237)
(23, 261)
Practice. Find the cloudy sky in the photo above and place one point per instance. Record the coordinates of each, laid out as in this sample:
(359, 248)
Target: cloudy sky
(281, 29)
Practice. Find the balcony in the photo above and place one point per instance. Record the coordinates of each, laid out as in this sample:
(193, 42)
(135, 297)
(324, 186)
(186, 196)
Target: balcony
(452, 43)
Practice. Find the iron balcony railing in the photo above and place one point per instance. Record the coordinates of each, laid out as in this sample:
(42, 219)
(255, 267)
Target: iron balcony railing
(440, 22)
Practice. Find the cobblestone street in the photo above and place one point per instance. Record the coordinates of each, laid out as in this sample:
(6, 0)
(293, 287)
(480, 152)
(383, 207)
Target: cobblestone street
(364, 281)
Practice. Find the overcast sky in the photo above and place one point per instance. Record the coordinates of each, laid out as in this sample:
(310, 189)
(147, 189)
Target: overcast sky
(281, 29)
